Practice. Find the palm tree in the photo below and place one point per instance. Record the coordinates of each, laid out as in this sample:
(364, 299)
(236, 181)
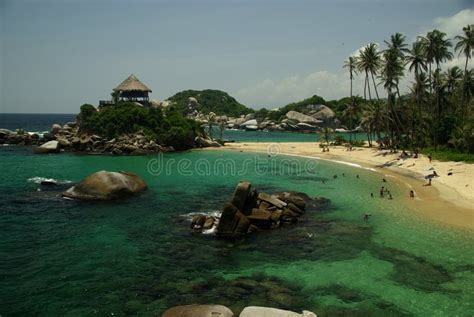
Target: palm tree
(452, 75)
(416, 62)
(437, 51)
(465, 44)
(351, 65)
(373, 118)
(397, 44)
(369, 61)
(391, 73)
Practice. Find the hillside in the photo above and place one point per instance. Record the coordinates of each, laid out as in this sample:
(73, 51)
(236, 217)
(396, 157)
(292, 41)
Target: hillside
(209, 100)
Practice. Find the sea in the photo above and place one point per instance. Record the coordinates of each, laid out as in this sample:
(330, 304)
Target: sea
(138, 256)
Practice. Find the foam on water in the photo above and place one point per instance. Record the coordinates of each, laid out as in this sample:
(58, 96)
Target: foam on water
(39, 180)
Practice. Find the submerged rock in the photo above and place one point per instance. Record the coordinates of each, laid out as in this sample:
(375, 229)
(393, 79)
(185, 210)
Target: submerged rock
(255, 311)
(105, 185)
(198, 311)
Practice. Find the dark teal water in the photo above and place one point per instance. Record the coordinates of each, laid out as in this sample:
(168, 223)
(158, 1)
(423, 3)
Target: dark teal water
(137, 256)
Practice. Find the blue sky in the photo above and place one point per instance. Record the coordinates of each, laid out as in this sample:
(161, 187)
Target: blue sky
(57, 55)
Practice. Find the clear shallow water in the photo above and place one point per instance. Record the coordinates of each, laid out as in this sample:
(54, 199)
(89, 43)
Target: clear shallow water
(137, 256)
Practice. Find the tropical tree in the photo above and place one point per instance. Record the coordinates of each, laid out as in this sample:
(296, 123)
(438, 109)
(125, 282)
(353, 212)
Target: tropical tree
(351, 65)
(391, 73)
(465, 44)
(369, 62)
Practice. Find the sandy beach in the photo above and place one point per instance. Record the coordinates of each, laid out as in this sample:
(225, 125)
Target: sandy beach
(449, 200)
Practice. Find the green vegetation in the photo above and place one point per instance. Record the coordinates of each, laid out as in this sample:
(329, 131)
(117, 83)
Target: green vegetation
(437, 115)
(209, 100)
(167, 128)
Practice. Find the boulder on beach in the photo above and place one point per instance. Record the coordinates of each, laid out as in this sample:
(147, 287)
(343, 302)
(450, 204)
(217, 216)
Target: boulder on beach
(48, 147)
(106, 185)
(255, 311)
(198, 311)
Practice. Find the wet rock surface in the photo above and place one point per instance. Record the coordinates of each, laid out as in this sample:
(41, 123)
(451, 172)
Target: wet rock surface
(251, 211)
(105, 185)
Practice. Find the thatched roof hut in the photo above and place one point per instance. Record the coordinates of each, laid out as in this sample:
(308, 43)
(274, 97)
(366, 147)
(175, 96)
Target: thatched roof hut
(132, 83)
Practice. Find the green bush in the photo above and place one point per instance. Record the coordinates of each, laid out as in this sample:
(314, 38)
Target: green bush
(170, 128)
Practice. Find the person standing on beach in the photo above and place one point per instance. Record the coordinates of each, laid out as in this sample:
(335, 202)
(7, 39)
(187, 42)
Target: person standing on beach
(429, 157)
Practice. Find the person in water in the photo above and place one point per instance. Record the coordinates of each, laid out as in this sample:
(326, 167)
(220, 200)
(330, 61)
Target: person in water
(381, 191)
(412, 194)
(372, 195)
(384, 180)
(357, 176)
(390, 196)
(366, 216)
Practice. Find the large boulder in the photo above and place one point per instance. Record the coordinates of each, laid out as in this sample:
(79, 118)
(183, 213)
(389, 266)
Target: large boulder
(300, 117)
(202, 142)
(48, 147)
(250, 122)
(241, 193)
(255, 311)
(198, 311)
(55, 128)
(106, 185)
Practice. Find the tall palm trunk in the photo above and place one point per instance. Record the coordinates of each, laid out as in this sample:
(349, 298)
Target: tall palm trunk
(375, 86)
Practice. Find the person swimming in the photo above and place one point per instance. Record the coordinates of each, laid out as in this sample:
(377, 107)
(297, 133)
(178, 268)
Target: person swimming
(381, 191)
(366, 216)
(372, 195)
(384, 180)
(357, 176)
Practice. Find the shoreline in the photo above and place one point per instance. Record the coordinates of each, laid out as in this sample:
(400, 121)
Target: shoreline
(448, 201)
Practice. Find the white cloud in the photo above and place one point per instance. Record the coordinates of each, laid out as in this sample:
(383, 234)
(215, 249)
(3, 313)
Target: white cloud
(297, 87)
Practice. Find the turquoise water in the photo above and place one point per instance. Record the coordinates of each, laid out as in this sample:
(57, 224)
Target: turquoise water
(138, 257)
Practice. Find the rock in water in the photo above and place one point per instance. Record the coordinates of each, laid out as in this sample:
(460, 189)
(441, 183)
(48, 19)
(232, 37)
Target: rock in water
(48, 147)
(105, 185)
(198, 311)
(254, 311)
(240, 195)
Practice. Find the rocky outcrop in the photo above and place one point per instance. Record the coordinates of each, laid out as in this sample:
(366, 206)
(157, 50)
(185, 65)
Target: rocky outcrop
(250, 211)
(48, 147)
(300, 117)
(106, 185)
(255, 311)
(203, 142)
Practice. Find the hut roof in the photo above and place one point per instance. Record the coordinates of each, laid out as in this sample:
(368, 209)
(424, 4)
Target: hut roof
(132, 83)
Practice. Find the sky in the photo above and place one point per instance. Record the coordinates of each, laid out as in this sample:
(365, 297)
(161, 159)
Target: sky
(56, 55)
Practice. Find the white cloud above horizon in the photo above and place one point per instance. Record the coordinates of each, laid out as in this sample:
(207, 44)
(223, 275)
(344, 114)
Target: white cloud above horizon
(334, 85)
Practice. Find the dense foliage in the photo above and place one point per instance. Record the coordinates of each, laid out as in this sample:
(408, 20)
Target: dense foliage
(167, 128)
(437, 114)
(209, 100)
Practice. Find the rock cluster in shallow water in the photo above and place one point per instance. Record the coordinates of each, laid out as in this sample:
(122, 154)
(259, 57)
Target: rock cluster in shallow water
(250, 211)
